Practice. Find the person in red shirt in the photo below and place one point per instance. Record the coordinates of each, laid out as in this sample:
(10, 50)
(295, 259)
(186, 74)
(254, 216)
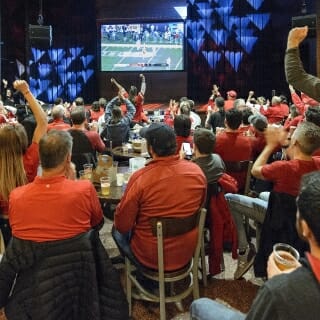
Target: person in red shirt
(57, 115)
(286, 174)
(54, 206)
(167, 187)
(18, 162)
(231, 97)
(232, 145)
(274, 113)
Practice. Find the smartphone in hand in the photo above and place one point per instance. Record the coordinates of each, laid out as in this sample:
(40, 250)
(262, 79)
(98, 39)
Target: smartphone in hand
(187, 149)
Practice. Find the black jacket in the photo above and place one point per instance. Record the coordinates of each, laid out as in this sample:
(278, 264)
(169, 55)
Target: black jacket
(279, 226)
(66, 279)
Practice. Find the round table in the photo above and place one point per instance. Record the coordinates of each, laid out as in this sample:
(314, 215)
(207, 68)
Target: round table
(118, 151)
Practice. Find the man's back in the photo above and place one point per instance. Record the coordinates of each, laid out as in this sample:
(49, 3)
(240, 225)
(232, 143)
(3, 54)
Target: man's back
(165, 187)
(286, 175)
(53, 209)
(234, 146)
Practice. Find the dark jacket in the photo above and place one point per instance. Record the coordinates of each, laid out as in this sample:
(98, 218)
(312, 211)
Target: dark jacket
(61, 280)
(279, 226)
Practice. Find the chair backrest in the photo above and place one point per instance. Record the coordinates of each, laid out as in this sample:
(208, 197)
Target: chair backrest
(243, 166)
(82, 150)
(171, 227)
(114, 135)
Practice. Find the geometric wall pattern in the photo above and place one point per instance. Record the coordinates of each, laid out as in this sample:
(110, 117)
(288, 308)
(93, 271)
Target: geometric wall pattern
(222, 34)
(57, 72)
(215, 20)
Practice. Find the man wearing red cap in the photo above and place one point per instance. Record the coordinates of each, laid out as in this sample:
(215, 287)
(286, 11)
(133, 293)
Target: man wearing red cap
(231, 96)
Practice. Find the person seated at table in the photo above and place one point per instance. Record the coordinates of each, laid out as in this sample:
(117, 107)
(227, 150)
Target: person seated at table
(117, 125)
(288, 294)
(182, 128)
(58, 123)
(42, 214)
(80, 123)
(50, 194)
(166, 187)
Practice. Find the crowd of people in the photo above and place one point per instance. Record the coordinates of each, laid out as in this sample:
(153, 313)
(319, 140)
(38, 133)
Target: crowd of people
(42, 201)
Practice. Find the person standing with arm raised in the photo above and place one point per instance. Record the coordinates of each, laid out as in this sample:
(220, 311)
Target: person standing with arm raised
(18, 161)
(295, 73)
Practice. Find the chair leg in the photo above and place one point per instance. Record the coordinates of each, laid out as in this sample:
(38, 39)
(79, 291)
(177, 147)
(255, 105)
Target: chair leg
(162, 299)
(203, 263)
(195, 280)
(128, 284)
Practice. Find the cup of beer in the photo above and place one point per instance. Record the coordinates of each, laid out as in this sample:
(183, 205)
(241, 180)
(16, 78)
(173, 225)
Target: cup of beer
(105, 186)
(285, 256)
(87, 168)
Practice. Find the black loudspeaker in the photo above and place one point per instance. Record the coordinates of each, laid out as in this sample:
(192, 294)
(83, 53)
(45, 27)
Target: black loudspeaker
(307, 20)
(40, 36)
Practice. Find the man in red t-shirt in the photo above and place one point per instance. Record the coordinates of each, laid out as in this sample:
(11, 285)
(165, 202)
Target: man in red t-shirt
(286, 175)
(232, 145)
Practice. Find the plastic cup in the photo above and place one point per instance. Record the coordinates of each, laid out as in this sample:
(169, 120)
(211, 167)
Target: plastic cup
(87, 168)
(285, 256)
(105, 186)
(119, 179)
(83, 175)
(126, 177)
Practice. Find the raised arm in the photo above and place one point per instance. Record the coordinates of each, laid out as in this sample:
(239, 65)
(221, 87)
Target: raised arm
(295, 73)
(131, 110)
(118, 85)
(143, 84)
(39, 115)
(109, 108)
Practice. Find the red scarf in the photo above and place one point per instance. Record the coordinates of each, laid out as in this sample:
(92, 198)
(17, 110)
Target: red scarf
(315, 265)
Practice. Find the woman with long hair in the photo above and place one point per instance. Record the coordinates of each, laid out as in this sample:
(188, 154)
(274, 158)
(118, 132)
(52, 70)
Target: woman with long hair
(18, 161)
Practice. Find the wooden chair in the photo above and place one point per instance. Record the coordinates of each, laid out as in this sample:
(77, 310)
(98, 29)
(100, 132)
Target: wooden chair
(163, 228)
(238, 167)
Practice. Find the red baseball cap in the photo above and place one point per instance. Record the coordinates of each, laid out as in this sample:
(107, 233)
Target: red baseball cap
(232, 94)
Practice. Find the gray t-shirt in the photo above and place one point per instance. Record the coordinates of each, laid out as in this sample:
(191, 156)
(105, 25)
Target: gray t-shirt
(212, 166)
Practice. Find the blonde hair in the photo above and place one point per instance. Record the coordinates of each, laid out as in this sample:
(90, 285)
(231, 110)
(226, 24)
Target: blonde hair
(13, 143)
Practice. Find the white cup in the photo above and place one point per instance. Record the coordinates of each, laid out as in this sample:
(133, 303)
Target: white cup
(120, 179)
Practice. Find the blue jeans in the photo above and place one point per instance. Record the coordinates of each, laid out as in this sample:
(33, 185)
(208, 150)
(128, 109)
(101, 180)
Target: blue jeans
(242, 206)
(122, 241)
(207, 309)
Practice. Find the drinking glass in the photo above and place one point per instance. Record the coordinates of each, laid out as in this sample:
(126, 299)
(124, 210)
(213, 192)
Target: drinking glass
(285, 256)
(105, 186)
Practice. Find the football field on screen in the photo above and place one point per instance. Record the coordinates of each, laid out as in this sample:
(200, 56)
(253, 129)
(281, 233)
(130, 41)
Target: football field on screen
(129, 57)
